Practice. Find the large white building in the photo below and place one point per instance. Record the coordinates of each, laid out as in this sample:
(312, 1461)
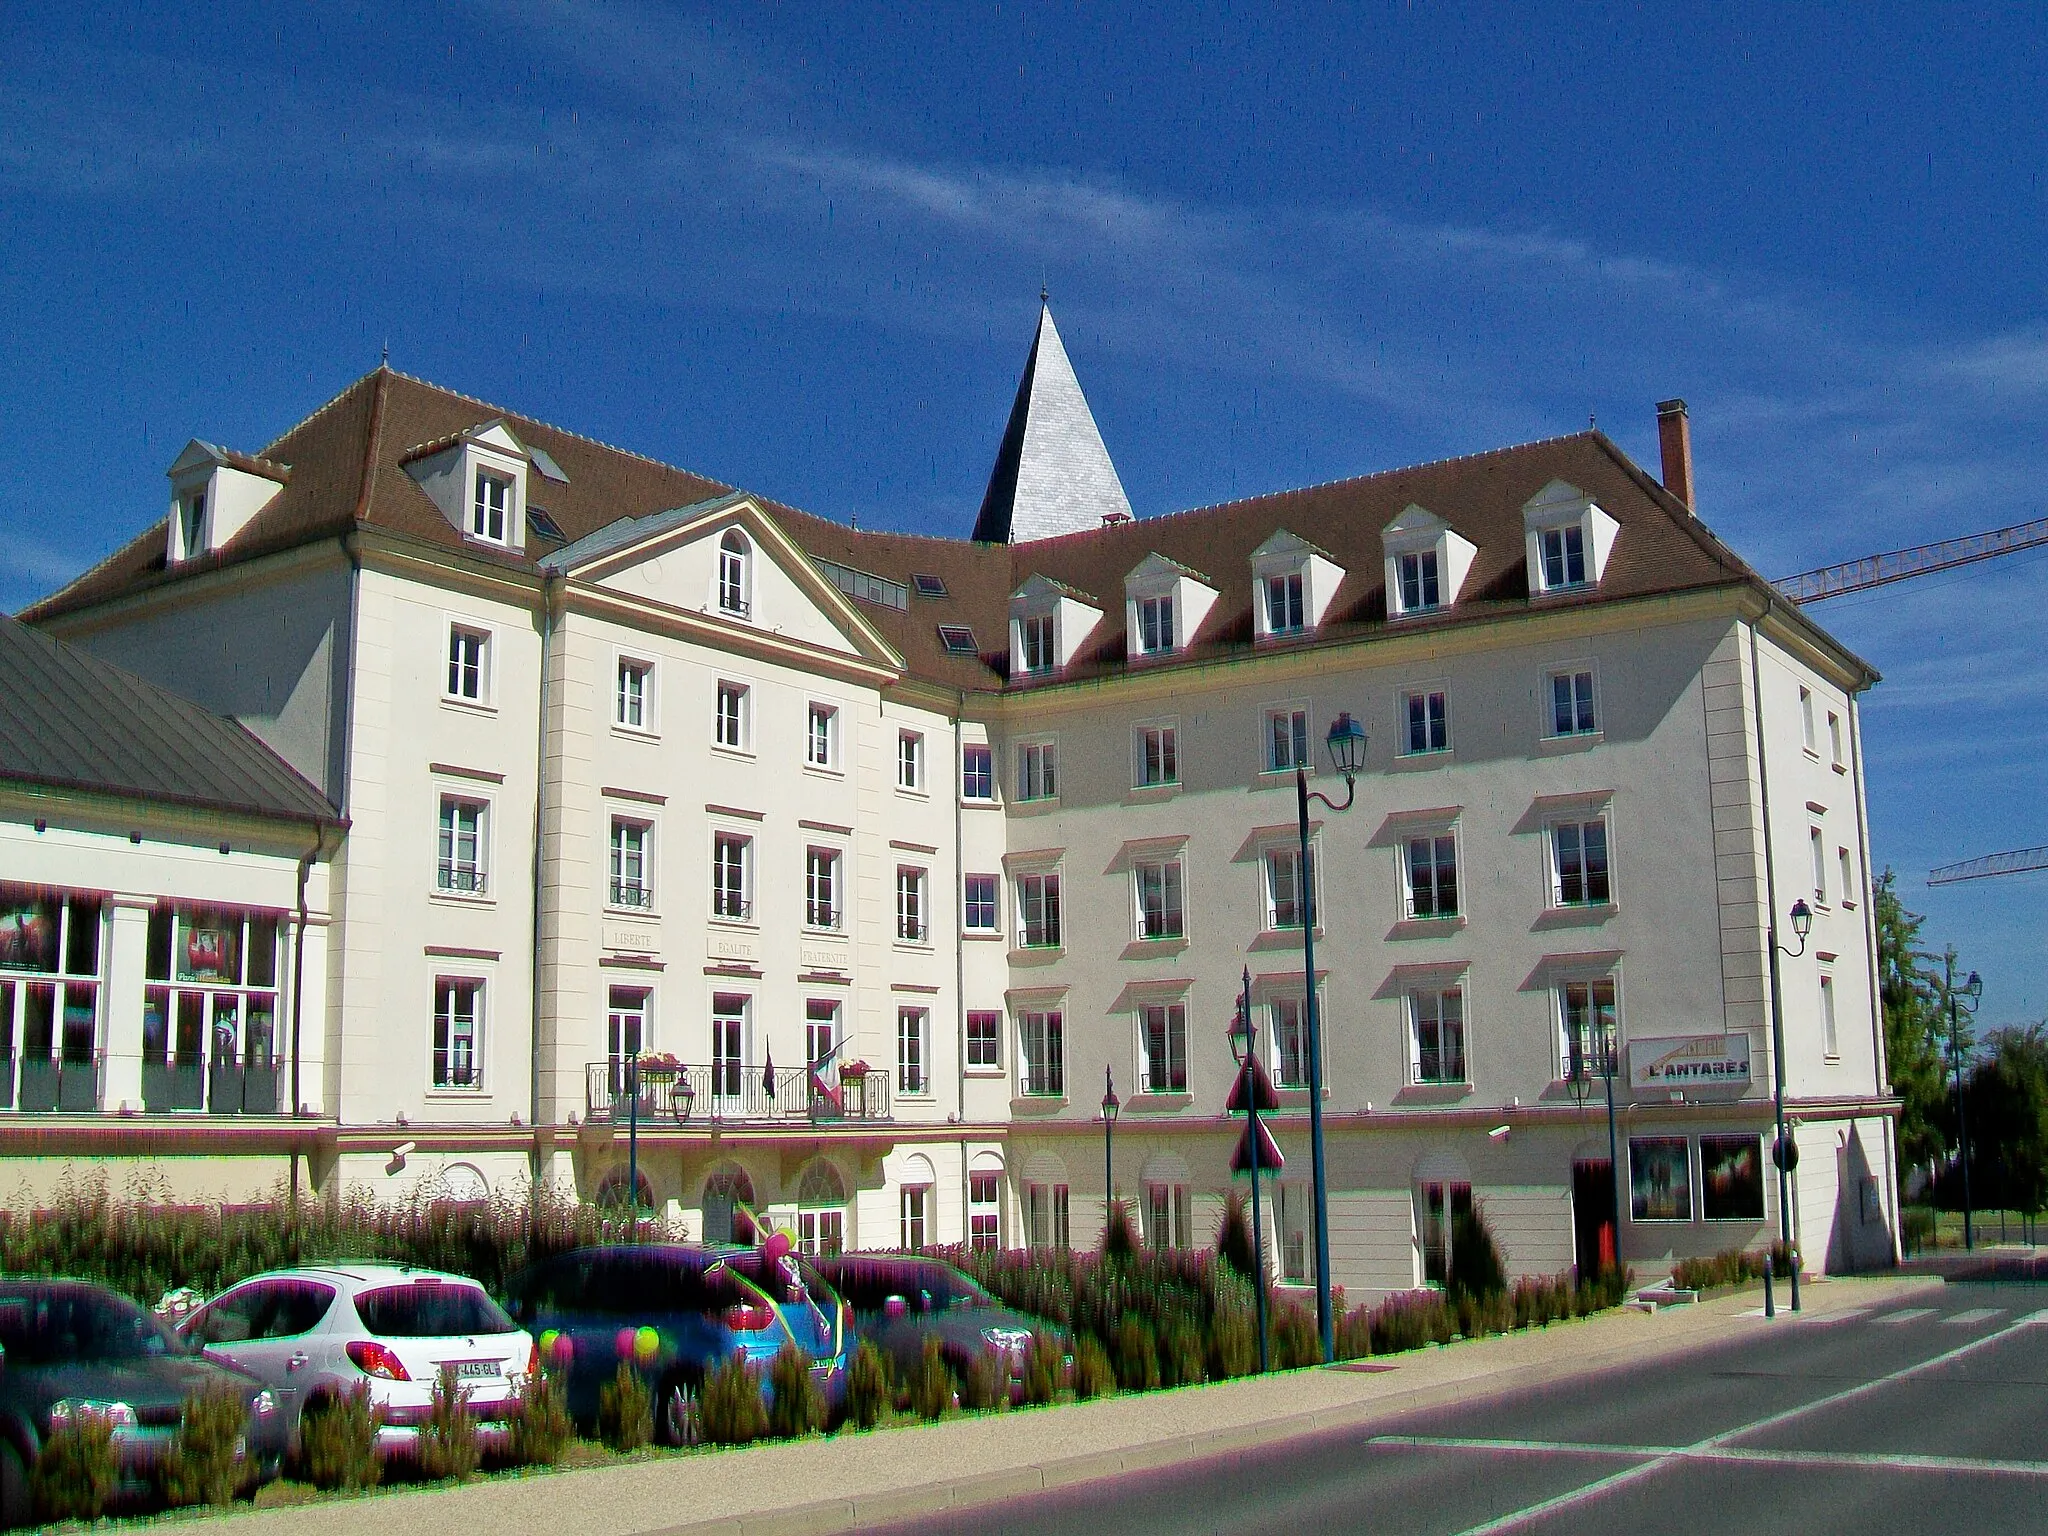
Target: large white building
(881, 850)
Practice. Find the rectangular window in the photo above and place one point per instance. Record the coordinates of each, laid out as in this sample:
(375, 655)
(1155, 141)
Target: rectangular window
(821, 887)
(633, 707)
(458, 1021)
(1660, 1178)
(985, 1211)
(729, 724)
(728, 1045)
(1420, 587)
(1806, 719)
(1284, 612)
(626, 1025)
(1438, 1208)
(461, 864)
(1297, 1254)
(977, 773)
(1036, 641)
(491, 506)
(469, 658)
(1816, 846)
(1564, 556)
(916, 1207)
(1163, 1044)
(1432, 864)
(632, 871)
(1157, 755)
(1037, 771)
(978, 904)
(1588, 1037)
(1167, 1216)
(1731, 1178)
(1436, 1040)
(984, 1038)
(1161, 910)
(1289, 1042)
(1286, 740)
(732, 573)
(1830, 1042)
(731, 895)
(821, 1031)
(909, 760)
(1579, 863)
(1571, 704)
(1155, 625)
(1046, 1216)
(1429, 721)
(1285, 898)
(1042, 1038)
(1038, 911)
(911, 925)
(821, 741)
(1845, 869)
(912, 1041)
(1835, 739)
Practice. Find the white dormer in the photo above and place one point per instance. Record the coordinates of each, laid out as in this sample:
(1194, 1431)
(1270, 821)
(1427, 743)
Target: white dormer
(1293, 585)
(214, 493)
(1427, 563)
(1164, 605)
(1569, 539)
(478, 480)
(1048, 623)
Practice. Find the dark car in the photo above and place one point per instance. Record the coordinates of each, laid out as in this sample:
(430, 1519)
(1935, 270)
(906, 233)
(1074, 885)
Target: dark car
(70, 1348)
(900, 1300)
(676, 1311)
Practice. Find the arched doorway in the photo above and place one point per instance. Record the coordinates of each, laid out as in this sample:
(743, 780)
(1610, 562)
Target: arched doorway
(821, 1210)
(728, 1197)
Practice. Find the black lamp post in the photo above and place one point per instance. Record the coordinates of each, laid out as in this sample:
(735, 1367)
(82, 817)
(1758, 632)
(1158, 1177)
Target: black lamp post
(1109, 1109)
(1783, 1153)
(1973, 989)
(633, 1138)
(1244, 1040)
(1347, 755)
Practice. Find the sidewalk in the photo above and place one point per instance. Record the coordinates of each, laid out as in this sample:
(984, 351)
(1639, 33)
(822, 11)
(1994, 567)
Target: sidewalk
(852, 1481)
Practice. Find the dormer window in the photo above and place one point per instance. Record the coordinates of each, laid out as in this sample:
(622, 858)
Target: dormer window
(491, 507)
(192, 524)
(1295, 582)
(1569, 539)
(1035, 643)
(478, 479)
(1284, 611)
(214, 494)
(1564, 556)
(1421, 590)
(733, 560)
(1164, 606)
(1155, 625)
(1049, 622)
(1427, 563)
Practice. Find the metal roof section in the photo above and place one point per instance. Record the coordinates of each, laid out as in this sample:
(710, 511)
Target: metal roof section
(71, 721)
(631, 530)
(1052, 474)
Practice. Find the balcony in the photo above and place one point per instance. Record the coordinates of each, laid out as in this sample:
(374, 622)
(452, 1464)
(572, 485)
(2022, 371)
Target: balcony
(222, 1086)
(677, 1093)
(633, 894)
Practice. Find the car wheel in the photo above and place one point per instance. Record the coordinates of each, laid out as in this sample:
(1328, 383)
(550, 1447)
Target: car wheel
(678, 1416)
(15, 1506)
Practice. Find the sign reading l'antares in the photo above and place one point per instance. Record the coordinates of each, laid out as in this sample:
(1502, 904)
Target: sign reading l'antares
(1689, 1064)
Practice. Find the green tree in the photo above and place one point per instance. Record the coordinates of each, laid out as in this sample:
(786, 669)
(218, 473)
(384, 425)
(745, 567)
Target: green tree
(2009, 1118)
(1915, 1030)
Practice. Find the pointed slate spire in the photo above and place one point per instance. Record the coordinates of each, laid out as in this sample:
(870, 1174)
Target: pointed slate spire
(1052, 474)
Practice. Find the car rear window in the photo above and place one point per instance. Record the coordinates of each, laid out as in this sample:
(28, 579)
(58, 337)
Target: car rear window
(867, 1284)
(430, 1310)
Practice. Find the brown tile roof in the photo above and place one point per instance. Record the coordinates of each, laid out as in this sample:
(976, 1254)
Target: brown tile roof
(346, 469)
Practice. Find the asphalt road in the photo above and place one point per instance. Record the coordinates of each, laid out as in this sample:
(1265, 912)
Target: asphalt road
(1922, 1417)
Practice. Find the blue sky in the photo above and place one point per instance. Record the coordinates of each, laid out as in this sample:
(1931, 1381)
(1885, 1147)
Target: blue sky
(798, 248)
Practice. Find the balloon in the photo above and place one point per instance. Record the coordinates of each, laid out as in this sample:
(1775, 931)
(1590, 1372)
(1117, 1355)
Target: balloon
(646, 1345)
(624, 1343)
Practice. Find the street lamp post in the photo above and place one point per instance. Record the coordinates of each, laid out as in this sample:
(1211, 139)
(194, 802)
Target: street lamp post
(1347, 755)
(633, 1138)
(1782, 1152)
(1244, 1041)
(1109, 1109)
(1610, 1046)
(1973, 989)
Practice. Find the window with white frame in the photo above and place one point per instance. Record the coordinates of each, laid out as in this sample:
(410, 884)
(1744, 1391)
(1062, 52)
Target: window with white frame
(729, 1044)
(984, 1039)
(1291, 1214)
(1046, 1212)
(916, 1208)
(469, 664)
(1288, 1024)
(729, 719)
(1572, 712)
(1168, 1212)
(912, 923)
(1155, 625)
(1846, 869)
(913, 1046)
(821, 1031)
(1436, 1035)
(1421, 586)
(632, 872)
(1562, 555)
(1835, 740)
(464, 843)
(458, 1033)
(977, 773)
(984, 1211)
(909, 760)
(633, 701)
(1285, 614)
(1163, 1048)
(1287, 740)
(1431, 864)
(1830, 1042)
(821, 739)
(1037, 643)
(1428, 714)
(1162, 912)
(1588, 1038)
(1578, 863)
(820, 1211)
(490, 508)
(978, 904)
(1042, 1042)
(1038, 910)
(732, 857)
(625, 1030)
(192, 525)
(1156, 755)
(1038, 771)
(1286, 898)
(821, 888)
(1806, 720)
(1816, 846)
(735, 558)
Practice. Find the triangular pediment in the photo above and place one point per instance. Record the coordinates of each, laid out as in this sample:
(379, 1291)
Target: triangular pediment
(1416, 519)
(1559, 493)
(197, 454)
(495, 434)
(1281, 544)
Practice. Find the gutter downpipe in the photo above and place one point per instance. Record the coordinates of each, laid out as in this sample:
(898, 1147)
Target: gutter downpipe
(959, 943)
(299, 990)
(548, 589)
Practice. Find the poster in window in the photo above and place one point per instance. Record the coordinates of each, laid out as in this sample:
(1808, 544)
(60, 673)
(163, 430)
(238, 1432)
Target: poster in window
(1659, 1178)
(211, 950)
(28, 934)
(1731, 1178)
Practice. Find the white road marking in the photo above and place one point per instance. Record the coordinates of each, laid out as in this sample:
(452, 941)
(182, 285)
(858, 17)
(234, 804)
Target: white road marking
(1903, 1315)
(1847, 1316)
(1860, 1460)
(1586, 1493)
(1973, 1316)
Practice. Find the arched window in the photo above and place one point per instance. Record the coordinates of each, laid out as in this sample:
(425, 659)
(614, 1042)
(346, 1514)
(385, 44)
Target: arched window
(728, 1196)
(821, 1210)
(611, 1189)
(734, 554)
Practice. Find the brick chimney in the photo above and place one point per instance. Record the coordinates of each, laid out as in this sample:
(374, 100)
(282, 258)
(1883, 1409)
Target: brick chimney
(1674, 437)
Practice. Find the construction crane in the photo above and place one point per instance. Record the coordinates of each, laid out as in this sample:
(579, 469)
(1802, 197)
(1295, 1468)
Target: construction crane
(2017, 862)
(1904, 564)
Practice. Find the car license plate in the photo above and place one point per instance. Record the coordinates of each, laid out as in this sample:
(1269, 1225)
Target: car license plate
(466, 1370)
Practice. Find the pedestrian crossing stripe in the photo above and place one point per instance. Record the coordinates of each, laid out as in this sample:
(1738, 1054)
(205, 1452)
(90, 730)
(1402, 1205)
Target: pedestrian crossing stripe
(1974, 1315)
(1904, 1315)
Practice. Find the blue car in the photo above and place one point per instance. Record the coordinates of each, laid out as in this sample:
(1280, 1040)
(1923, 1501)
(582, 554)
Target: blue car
(675, 1311)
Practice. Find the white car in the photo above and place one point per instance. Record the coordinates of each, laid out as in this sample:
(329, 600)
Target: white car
(310, 1335)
